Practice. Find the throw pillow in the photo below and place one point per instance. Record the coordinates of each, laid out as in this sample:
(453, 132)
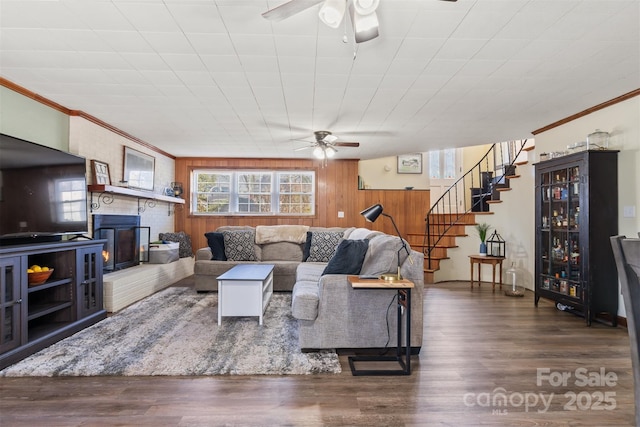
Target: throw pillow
(238, 245)
(323, 245)
(348, 258)
(216, 243)
(184, 249)
(307, 246)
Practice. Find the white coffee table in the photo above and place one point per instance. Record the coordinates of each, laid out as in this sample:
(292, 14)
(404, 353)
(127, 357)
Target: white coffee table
(245, 290)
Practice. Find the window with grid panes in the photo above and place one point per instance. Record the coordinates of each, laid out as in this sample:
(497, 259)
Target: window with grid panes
(253, 192)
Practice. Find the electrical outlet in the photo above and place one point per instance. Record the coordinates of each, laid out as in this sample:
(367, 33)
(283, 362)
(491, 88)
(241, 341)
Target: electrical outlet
(340, 214)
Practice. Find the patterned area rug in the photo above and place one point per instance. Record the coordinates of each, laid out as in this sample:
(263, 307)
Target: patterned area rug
(175, 332)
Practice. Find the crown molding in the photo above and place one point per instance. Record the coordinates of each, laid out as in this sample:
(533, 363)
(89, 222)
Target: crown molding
(583, 113)
(78, 113)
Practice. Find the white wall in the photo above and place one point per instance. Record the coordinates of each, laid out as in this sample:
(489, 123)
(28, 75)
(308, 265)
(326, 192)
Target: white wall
(622, 120)
(514, 221)
(514, 218)
(95, 142)
(382, 174)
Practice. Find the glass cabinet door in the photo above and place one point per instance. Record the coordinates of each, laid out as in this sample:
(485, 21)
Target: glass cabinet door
(560, 224)
(10, 304)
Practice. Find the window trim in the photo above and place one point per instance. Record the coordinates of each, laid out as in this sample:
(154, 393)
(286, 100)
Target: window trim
(233, 199)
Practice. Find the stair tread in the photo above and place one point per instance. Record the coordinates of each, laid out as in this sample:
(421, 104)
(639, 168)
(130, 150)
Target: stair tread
(494, 201)
(513, 176)
(522, 162)
(529, 148)
(504, 189)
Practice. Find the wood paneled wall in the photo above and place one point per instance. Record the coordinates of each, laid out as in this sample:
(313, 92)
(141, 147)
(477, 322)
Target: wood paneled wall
(337, 190)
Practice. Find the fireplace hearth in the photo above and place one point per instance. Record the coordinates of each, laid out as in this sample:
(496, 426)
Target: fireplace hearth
(126, 240)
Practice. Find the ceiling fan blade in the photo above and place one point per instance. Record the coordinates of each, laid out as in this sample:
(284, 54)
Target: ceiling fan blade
(302, 148)
(288, 9)
(346, 144)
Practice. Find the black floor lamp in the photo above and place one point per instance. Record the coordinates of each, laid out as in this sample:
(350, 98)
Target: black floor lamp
(371, 214)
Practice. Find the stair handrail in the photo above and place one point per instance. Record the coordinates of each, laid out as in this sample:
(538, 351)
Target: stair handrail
(454, 218)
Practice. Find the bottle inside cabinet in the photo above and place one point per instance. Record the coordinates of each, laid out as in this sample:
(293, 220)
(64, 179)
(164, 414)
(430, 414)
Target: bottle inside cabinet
(572, 234)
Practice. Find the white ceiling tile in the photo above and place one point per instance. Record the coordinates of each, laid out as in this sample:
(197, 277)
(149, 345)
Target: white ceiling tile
(145, 61)
(197, 17)
(216, 76)
(149, 16)
(125, 41)
(464, 49)
(300, 64)
(100, 15)
(211, 44)
(222, 63)
(166, 42)
(258, 63)
(184, 62)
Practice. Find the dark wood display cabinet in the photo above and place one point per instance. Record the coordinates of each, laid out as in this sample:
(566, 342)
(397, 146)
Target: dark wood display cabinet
(33, 317)
(576, 213)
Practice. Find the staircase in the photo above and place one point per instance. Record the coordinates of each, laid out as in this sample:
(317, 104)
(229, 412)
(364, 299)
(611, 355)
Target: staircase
(469, 197)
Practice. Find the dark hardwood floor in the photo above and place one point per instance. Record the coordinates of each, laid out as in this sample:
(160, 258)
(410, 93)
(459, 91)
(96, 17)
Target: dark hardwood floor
(480, 349)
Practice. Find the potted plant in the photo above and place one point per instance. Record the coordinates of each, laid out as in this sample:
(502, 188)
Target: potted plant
(482, 230)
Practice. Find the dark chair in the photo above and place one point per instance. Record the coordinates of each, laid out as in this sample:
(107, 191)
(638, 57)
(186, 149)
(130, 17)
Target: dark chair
(627, 256)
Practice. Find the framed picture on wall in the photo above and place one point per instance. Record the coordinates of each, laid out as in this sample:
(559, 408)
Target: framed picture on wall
(410, 163)
(138, 169)
(100, 173)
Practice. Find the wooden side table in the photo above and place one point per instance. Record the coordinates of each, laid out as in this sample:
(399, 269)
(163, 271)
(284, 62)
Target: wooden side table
(481, 259)
(403, 287)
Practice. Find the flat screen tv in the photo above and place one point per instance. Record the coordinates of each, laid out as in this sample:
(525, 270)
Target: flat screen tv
(43, 193)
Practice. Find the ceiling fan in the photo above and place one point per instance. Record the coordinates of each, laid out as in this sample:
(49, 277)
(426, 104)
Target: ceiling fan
(362, 12)
(325, 143)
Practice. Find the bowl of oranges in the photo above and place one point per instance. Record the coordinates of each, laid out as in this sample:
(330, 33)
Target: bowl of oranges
(38, 275)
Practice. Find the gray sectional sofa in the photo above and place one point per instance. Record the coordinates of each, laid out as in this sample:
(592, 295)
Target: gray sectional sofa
(330, 312)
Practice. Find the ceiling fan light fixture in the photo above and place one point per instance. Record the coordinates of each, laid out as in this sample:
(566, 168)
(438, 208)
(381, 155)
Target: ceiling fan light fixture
(332, 12)
(365, 26)
(318, 153)
(365, 7)
(330, 139)
(330, 152)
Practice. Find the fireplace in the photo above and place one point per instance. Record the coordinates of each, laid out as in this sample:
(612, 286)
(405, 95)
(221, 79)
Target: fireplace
(126, 240)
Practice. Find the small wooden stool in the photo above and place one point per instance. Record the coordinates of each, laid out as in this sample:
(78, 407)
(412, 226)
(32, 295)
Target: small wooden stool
(481, 259)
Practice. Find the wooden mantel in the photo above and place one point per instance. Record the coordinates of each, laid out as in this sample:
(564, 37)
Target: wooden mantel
(131, 192)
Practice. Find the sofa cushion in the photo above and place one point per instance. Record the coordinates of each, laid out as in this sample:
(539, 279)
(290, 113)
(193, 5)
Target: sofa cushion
(382, 256)
(348, 257)
(184, 240)
(216, 243)
(310, 271)
(239, 245)
(323, 245)
(281, 251)
(304, 300)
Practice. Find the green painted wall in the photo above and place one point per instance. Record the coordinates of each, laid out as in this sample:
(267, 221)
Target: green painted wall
(25, 118)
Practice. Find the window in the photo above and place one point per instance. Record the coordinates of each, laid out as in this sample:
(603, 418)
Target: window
(442, 164)
(226, 192)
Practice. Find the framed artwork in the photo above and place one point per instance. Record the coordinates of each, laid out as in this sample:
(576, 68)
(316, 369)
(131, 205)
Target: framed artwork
(410, 163)
(100, 173)
(138, 169)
